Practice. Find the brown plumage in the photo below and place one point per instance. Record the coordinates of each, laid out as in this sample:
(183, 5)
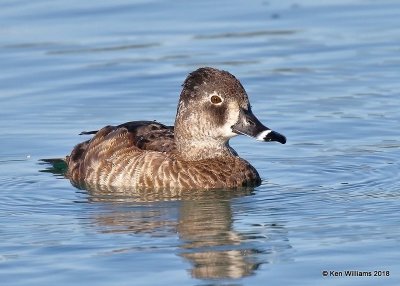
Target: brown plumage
(195, 154)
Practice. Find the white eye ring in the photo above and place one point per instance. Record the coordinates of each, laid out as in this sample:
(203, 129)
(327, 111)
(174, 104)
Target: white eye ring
(215, 99)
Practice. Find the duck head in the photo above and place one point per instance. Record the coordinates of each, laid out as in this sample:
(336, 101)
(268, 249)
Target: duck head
(214, 107)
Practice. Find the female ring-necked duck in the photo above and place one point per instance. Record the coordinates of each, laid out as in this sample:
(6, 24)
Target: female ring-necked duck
(194, 154)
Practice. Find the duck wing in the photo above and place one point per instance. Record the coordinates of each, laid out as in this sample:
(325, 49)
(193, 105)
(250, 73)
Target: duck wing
(151, 135)
(117, 145)
(145, 135)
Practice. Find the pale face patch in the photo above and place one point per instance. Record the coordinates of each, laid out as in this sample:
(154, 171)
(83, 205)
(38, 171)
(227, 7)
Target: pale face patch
(233, 117)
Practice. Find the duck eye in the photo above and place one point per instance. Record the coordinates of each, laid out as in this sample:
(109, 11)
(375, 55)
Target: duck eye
(216, 99)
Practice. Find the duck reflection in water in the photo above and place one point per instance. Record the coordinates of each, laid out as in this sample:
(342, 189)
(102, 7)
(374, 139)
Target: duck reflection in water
(203, 221)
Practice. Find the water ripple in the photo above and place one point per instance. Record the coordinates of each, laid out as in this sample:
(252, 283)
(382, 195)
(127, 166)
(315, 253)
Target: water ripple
(249, 34)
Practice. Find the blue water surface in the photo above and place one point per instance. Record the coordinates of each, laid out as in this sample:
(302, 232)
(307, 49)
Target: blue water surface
(323, 73)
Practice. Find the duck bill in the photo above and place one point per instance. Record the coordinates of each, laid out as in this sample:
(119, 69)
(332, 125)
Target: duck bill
(249, 125)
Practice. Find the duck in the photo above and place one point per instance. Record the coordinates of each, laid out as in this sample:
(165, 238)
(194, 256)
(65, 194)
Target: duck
(193, 154)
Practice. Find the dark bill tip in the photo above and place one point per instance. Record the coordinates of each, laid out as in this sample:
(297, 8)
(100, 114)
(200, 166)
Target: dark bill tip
(269, 135)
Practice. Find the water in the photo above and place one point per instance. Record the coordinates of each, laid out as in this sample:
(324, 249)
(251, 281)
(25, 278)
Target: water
(324, 74)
